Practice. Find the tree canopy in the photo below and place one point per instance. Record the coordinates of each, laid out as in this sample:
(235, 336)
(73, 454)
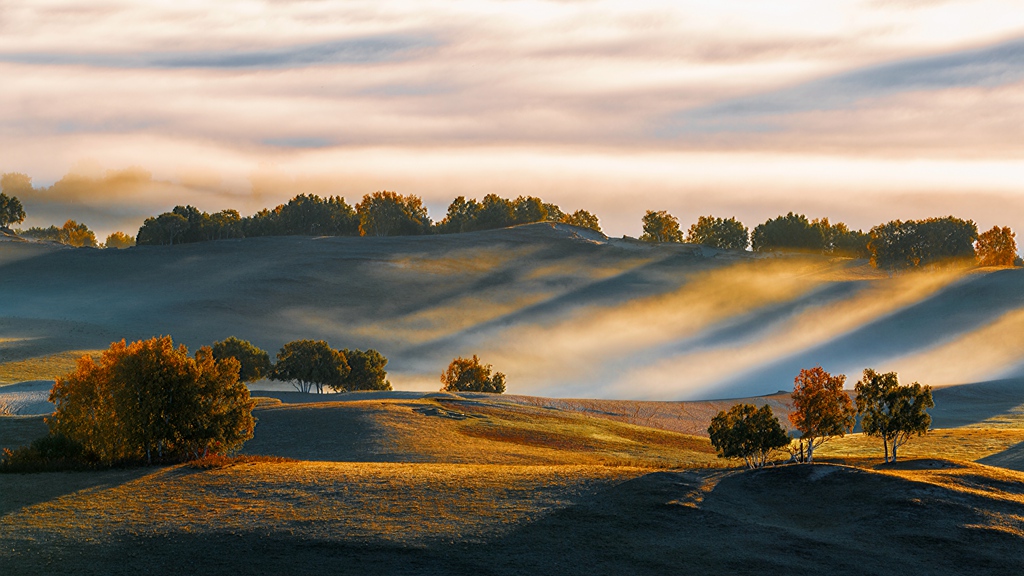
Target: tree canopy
(150, 400)
(392, 214)
(11, 210)
(311, 364)
(718, 233)
(747, 432)
(469, 375)
(997, 247)
(822, 410)
(366, 370)
(789, 232)
(661, 227)
(898, 245)
(890, 411)
(119, 241)
(254, 363)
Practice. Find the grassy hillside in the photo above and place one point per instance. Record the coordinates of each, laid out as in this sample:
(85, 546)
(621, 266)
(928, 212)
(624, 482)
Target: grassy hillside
(564, 313)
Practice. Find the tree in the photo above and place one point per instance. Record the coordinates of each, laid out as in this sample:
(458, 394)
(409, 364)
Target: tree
(79, 235)
(391, 214)
(119, 241)
(997, 247)
(719, 233)
(367, 370)
(892, 412)
(164, 229)
(253, 362)
(151, 400)
(462, 216)
(309, 364)
(495, 212)
(789, 232)
(897, 245)
(822, 409)
(11, 211)
(747, 432)
(469, 375)
(583, 219)
(528, 209)
(661, 227)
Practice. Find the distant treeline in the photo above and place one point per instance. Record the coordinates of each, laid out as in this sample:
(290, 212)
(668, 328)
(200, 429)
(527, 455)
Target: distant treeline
(378, 214)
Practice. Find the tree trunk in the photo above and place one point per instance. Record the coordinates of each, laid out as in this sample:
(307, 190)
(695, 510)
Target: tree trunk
(885, 445)
(810, 450)
(894, 452)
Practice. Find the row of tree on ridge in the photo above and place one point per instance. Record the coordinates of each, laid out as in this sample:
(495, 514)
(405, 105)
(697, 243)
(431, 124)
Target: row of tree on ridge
(890, 246)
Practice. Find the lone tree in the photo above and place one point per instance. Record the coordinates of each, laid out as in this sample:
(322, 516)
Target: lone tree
(661, 227)
(311, 363)
(719, 233)
(997, 247)
(892, 412)
(367, 370)
(254, 363)
(151, 400)
(583, 219)
(823, 410)
(468, 375)
(11, 211)
(747, 432)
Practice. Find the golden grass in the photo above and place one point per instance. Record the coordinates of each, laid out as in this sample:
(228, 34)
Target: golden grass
(42, 367)
(965, 444)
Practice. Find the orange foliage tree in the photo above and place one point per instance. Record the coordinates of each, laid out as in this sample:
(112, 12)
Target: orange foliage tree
(149, 400)
(469, 375)
(823, 410)
(996, 247)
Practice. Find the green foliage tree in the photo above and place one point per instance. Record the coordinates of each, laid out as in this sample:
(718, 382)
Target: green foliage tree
(581, 218)
(119, 241)
(898, 245)
(461, 217)
(719, 233)
(151, 400)
(997, 247)
(367, 370)
(661, 227)
(391, 214)
(892, 412)
(528, 209)
(822, 410)
(253, 362)
(495, 212)
(311, 364)
(166, 228)
(841, 241)
(11, 210)
(789, 232)
(469, 375)
(747, 432)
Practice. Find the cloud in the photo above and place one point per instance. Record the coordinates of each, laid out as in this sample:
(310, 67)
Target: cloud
(367, 50)
(999, 65)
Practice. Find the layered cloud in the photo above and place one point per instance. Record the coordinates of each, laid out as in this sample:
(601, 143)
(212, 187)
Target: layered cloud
(730, 105)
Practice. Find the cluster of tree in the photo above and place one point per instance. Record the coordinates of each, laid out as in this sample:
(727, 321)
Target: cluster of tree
(822, 411)
(71, 233)
(469, 375)
(309, 365)
(795, 232)
(150, 400)
(378, 214)
(497, 212)
(898, 245)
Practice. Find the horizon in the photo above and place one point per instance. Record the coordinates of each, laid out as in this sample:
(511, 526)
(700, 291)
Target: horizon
(861, 112)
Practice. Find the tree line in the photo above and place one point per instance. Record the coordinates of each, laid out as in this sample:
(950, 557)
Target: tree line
(893, 246)
(823, 410)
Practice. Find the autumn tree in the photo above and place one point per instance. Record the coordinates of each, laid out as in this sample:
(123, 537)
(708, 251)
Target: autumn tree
(822, 410)
(119, 241)
(661, 227)
(583, 219)
(311, 364)
(718, 233)
(150, 400)
(789, 232)
(366, 370)
(254, 363)
(747, 432)
(469, 375)
(892, 412)
(391, 214)
(997, 247)
(11, 211)
(78, 235)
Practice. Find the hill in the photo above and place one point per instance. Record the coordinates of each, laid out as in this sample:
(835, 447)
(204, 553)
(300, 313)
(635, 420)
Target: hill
(563, 312)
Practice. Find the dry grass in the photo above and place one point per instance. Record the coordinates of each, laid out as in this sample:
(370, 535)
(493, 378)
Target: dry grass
(45, 367)
(964, 444)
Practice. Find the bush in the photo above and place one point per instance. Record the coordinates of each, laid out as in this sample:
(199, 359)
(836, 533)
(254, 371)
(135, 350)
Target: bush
(52, 453)
(469, 375)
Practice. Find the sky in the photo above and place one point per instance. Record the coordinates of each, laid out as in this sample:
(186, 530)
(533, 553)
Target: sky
(863, 111)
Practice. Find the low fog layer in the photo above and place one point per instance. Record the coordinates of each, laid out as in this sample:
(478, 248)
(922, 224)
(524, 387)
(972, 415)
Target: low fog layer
(560, 314)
